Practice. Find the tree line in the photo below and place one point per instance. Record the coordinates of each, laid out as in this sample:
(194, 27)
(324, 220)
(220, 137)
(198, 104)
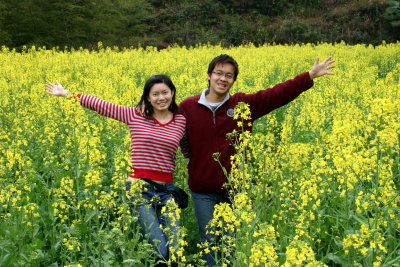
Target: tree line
(135, 23)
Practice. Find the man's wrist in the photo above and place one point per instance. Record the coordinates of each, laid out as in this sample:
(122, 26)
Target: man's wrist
(312, 74)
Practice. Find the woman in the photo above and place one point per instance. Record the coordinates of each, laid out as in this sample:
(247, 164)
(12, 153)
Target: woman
(156, 129)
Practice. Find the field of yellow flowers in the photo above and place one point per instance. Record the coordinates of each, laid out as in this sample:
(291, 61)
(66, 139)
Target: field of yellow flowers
(316, 183)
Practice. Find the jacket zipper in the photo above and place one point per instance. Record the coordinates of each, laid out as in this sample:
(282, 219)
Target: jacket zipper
(213, 117)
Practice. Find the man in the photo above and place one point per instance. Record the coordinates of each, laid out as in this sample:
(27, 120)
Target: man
(209, 117)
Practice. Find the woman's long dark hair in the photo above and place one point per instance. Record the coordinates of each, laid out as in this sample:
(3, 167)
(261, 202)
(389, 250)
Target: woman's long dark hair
(144, 107)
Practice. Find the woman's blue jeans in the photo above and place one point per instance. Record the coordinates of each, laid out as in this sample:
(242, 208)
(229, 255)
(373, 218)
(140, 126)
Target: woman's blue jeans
(148, 207)
(204, 208)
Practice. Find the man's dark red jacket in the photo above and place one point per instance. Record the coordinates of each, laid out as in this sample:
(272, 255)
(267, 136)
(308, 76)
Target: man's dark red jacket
(206, 130)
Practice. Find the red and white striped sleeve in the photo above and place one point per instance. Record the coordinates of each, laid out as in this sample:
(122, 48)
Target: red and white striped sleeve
(105, 108)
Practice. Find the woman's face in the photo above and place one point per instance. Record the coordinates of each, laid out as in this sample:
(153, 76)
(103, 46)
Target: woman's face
(160, 97)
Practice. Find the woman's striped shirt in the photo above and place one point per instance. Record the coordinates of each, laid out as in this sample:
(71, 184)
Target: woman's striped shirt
(153, 145)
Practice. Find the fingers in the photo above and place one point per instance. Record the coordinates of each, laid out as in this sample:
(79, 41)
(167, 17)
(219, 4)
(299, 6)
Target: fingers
(52, 84)
(327, 64)
(51, 87)
(328, 68)
(327, 59)
(321, 69)
(316, 61)
(330, 62)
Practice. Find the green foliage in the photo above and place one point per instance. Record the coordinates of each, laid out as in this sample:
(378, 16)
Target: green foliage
(392, 13)
(188, 22)
(74, 23)
(296, 31)
(136, 23)
(4, 35)
(118, 22)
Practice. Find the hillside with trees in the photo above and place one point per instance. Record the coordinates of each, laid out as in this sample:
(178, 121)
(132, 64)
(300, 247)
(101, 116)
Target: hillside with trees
(135, 23)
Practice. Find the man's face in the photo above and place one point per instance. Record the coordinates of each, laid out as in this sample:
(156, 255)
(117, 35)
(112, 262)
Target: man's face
(221, 79)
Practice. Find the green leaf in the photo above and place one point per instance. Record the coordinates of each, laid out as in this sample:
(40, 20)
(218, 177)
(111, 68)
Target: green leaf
(90, 215)
(360, 219)
(337, 259)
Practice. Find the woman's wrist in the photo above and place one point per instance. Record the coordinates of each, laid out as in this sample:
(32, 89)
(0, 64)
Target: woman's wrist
(69, 94)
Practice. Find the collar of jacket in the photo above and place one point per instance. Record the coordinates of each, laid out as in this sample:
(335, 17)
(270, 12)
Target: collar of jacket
(204, 101)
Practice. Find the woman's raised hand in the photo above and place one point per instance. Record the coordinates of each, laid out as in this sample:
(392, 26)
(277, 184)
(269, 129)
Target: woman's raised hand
(56, 89)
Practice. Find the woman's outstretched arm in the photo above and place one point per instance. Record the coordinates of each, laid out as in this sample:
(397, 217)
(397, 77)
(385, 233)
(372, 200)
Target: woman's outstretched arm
(102, 107)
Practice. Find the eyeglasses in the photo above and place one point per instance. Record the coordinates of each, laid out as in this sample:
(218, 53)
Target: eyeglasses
(220, 74)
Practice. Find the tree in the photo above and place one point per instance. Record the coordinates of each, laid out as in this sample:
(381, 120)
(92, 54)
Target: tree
(5, 38)
(74, 23)
(118, 22)
(392, 15)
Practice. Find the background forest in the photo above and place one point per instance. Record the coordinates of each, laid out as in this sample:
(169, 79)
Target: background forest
(136, 23)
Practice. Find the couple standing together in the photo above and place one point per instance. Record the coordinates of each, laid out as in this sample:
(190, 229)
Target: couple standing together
(199, 125)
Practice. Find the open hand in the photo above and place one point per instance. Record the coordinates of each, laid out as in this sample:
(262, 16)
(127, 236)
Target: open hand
(56, 89)
(321, 69)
